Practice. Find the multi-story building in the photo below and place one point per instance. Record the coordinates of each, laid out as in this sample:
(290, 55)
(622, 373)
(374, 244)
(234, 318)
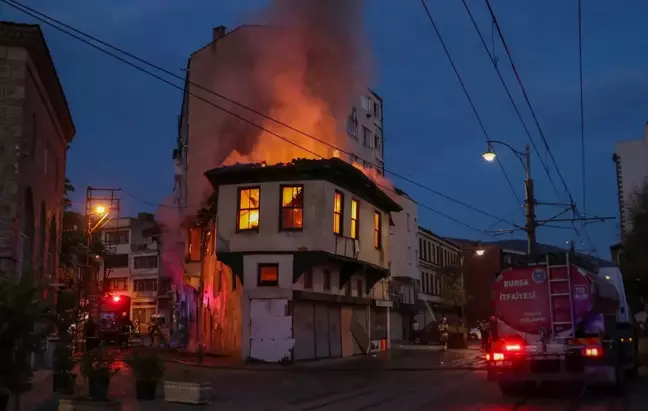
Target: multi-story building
(303, 261)
(438, 258)
(631, 160)
(404, 268)
(131, 266)
(35, 130)
(365, 128)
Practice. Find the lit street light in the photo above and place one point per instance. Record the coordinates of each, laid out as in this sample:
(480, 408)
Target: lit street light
(480, 252)
(100, 209)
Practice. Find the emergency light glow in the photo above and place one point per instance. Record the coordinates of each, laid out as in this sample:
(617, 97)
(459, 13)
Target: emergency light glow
(592, 352)
(116, 298)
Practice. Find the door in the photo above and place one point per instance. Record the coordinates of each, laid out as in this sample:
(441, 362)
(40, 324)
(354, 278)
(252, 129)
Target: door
(335, 337)
(304, 330)
(322, 331)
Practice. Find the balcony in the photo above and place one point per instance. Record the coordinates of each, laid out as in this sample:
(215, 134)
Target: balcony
(346, 247)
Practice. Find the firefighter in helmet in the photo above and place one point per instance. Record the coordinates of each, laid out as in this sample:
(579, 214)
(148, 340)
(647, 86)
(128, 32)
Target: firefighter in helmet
(443, 333)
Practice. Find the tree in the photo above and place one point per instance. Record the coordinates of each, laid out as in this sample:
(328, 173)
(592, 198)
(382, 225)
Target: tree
(452, 289)
(634, 264)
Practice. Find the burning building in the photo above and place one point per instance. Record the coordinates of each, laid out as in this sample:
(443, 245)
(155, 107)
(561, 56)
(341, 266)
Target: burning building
(299, 257)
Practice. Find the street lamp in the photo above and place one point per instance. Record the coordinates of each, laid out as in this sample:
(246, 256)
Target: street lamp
(100, 209)
(525, 158)
(480, 251)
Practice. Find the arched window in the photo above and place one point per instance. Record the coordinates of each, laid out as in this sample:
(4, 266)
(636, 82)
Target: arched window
(27, 235)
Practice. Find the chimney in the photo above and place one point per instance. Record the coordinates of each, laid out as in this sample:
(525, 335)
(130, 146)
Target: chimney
(218, 32)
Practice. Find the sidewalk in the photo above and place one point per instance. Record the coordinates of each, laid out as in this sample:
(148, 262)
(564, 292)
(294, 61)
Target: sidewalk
(399, 358)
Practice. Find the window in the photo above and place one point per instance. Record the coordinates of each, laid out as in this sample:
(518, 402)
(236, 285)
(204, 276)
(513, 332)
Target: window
(378, 142)
(365, 102)
(116, 260)
(327, 280)
(147, 285)
(424, 282)
(116, 237)
(144, 262)
(248, 209)
(347, 288)
(308, 279)
(352, 124)
(338, 213)
(429, 251)
(292, 208)
(377, 230)
(359, 288)
(354, 219)
(366, 137)
(408, 222)
(117, 284)
(421, 248)
(195, 241)
(268, 275)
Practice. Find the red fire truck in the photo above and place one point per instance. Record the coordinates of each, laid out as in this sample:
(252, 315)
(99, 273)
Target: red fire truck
(114, 309)
(558, 318)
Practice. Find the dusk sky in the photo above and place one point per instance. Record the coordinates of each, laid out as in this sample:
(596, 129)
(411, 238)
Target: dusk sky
(127, 121)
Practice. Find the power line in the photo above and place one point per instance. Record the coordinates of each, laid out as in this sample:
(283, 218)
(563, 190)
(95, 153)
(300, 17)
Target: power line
(510, 97)
(44, 18)
(535, 118)
(582, 112)
(465, 90)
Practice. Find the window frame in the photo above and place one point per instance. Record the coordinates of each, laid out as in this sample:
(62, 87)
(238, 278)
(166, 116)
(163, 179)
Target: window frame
(261, 283)
(282, 207)
(326, 280)
(355, 234)
(340, 213)
(238, 209)
(377, 240)
(308, 279)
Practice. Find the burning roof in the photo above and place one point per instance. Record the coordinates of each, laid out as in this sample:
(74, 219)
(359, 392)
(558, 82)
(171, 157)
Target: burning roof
(333, 170)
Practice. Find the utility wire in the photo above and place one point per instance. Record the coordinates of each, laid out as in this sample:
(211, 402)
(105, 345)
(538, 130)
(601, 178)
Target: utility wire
(48, 21)
(508, 93)
(582, 112)
(535, 118)
(465, 90)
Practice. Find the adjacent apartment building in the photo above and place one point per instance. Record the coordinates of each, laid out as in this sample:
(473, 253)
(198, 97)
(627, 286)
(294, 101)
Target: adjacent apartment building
(35, 130)
(438, 258)
(631, 161)
(131, 266)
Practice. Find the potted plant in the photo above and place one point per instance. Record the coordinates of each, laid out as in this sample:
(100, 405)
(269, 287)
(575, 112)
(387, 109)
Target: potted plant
(148, 370)
(98, 366)
(22, 314)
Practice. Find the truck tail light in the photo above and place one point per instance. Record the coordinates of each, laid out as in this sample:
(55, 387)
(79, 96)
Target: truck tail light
(592, 352)
(513, 347)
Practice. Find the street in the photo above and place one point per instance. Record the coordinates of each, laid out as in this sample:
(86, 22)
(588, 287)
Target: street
(450, 381)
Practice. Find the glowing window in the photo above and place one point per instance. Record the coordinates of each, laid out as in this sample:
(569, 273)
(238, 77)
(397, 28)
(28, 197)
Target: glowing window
(338, 213)
(248, 209)
(377, 230)
(268, 275)
(292, 208)
(354, 219)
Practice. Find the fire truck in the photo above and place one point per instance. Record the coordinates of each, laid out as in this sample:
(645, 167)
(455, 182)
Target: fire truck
(560, 318)
(114, 309)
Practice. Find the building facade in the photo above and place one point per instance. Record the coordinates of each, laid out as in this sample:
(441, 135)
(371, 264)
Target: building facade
(631, 162)
(404, 266)
(35, 130)
(303, 261)
(365, 129)
(438, 260)
(131, 266)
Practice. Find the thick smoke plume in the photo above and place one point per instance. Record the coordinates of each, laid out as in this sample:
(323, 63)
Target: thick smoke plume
(304, 64)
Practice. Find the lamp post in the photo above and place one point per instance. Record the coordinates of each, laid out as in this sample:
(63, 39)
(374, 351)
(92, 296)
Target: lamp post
(529, 201)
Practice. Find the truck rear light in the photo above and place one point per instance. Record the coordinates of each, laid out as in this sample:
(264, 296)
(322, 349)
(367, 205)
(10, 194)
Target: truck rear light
(592, 352)
(488, 356)
(498, 356)
(513, 347)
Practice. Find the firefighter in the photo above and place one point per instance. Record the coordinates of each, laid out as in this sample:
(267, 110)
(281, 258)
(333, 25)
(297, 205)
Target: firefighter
(484, 328)
(443, 333)
(124, 332)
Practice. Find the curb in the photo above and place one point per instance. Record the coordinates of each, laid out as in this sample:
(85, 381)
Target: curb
(329, 369)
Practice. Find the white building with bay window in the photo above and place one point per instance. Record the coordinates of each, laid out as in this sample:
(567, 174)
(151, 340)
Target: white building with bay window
(304, 248)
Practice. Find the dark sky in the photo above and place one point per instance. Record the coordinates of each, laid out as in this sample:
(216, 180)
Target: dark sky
(127, 122)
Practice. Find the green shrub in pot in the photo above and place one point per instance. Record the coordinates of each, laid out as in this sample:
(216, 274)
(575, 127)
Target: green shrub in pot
(148, 369)
(98, 366)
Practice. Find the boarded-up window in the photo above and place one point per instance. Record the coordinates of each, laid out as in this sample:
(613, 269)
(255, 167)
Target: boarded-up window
(268, 275)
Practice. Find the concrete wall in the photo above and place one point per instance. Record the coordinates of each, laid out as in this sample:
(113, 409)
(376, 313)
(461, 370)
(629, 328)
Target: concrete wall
(404, 239)
(33, 149)
(317, 233)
